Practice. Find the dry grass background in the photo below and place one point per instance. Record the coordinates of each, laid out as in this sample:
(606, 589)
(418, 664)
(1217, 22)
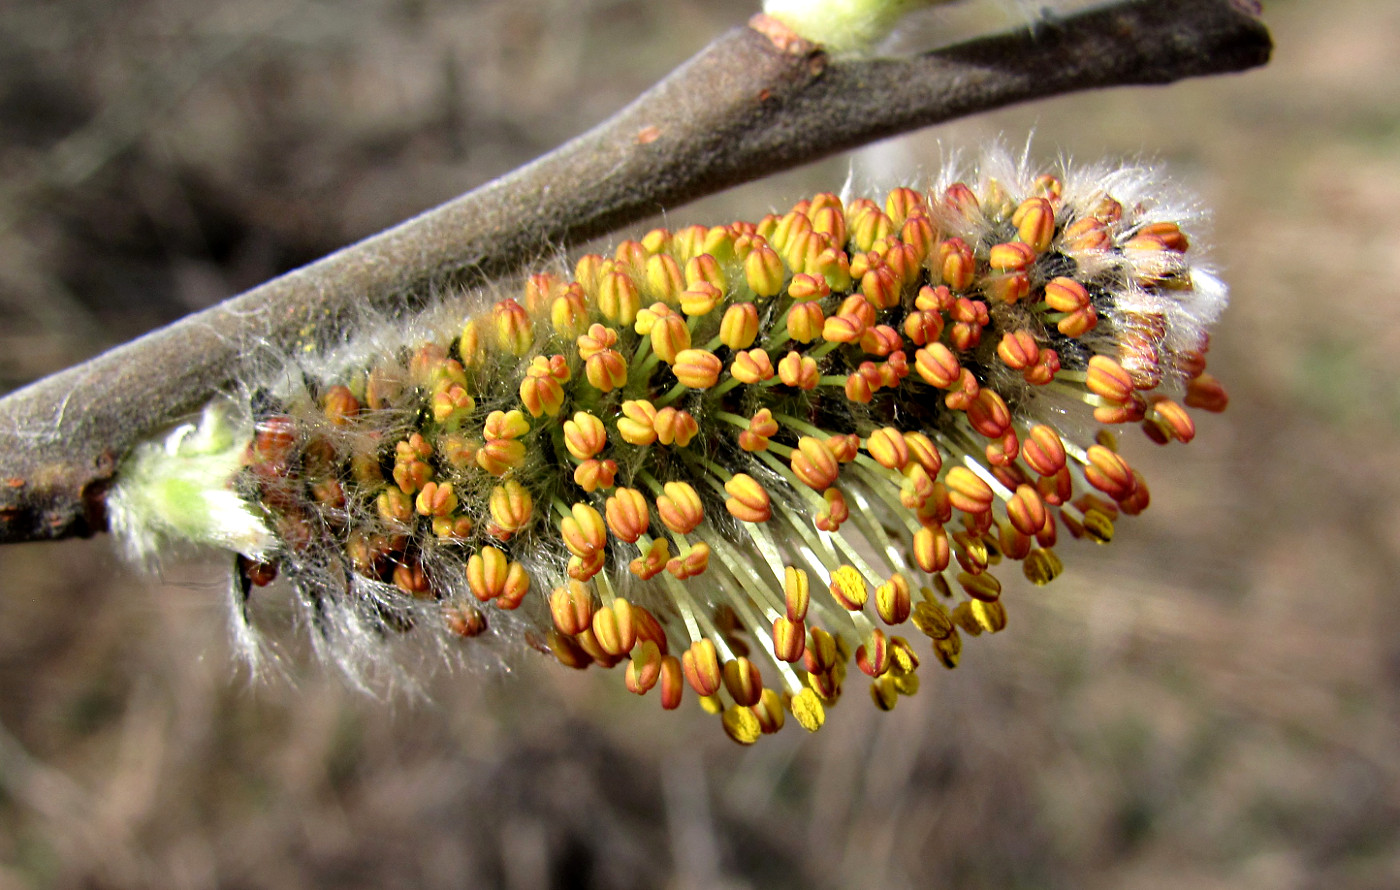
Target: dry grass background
(1211, 701)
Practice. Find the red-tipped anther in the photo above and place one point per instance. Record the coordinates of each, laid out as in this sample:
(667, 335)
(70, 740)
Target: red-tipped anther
(805, 322)
(989, 415)
(836, 512)
(858, 389)
(924, 452)
(1206, 393)
(1171, 419)
(1109, 473)
(956, 264)
(789, 639)
(873, 656)
(1018, 350)
(1026, 510)
(1043, 451)
(571, 607)
(1045, 368)
(962, 392)
(962, 199)
(743, 681)
(701, 665)
(923, 327)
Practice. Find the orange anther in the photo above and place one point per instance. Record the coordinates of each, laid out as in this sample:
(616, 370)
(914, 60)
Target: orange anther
(627, 514)
(967, 490)
(697, 368)
(680, 508)
(571, 607)
(814, 464)
(675, 427)
(748, 501)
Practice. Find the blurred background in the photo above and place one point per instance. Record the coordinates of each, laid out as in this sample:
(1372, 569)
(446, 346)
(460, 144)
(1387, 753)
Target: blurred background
(1209, 702)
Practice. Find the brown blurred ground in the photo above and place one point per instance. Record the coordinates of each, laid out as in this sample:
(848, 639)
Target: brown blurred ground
(1209, 702)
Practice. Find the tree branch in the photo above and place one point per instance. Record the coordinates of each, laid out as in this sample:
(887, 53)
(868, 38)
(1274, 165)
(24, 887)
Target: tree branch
(756, 101)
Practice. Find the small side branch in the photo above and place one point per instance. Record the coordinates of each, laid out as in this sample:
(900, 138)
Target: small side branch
(755, 102)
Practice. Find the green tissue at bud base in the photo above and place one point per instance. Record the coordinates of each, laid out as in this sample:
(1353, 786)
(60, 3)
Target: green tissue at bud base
(845, 26)
(179, 489)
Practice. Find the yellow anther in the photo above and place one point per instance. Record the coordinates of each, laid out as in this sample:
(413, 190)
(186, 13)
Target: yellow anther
(701, 665)
(510, 506)
(505, 425)
(807, 710)
(514, 332)
(752, 367)
(892, 600)
(805, 322)
(697, 368)
(664, 280)
(584, 532)
(739, 327)
(796, 593)
(700, 299)
(436, 500)
(705, 269)
(618, 297)
(637, 424)
(967, 490)
(983, 586)
(1034, 220)
(670, 336)
(748, 501)
(486, 573)
(848, 588)
(614, 628)
(606, 370)
(990, 616)
(888, 447)
(585, 435)
(1042, 566)
(741, 724)
(764, 272)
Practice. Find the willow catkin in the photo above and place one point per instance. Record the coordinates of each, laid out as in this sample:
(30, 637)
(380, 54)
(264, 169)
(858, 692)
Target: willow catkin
(731, 458)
